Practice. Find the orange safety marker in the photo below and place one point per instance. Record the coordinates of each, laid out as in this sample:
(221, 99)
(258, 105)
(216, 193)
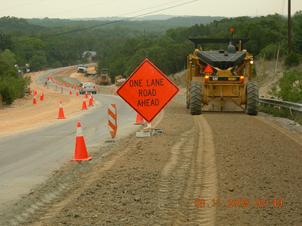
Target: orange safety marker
(90, 104)
(42, 96)
(86, 95)
(139, 119)
(70, 92)
(77, 93)
(61, 112)
(80, 152)
(34, 100)
(84, 105)
(208, 69)
(112, 120)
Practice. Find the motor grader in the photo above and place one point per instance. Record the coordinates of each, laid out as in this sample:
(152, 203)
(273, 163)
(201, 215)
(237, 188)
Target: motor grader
(217, 77)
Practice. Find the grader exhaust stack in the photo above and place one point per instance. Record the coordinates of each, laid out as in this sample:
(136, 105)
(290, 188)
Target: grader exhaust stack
(217, 77)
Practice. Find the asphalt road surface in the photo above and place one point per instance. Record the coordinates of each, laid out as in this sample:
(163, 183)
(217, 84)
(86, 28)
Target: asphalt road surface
(28, 158)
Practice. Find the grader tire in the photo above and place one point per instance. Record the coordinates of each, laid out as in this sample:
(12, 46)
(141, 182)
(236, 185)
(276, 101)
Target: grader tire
(196, 96)
(252, 98)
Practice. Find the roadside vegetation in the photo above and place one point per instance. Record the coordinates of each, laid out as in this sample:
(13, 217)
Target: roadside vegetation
(291, 86)
(120, 47)
(283, 113)
(12, 86)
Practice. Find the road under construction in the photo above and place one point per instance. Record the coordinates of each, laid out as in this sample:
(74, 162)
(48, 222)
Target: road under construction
(209, 169)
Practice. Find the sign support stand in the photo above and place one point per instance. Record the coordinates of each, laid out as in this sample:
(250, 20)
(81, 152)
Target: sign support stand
(148, 131)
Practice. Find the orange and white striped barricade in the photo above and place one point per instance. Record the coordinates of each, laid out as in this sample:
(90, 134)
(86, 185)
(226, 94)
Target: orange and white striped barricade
(112, 120)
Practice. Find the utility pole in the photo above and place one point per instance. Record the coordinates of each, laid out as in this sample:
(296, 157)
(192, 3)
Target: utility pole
(289, 28)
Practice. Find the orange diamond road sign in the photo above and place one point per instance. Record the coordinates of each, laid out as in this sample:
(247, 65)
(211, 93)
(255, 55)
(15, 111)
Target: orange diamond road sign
(147, 90)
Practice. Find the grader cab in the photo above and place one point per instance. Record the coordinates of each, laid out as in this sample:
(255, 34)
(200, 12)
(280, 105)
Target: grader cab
(217, 77)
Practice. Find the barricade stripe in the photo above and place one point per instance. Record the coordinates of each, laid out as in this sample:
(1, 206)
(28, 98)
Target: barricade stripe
(110, 113)
(111, 125)
(112, 120)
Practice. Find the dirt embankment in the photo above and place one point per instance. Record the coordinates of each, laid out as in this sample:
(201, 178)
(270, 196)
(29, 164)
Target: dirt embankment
(215, 169)
(269, 74)
(23, 115)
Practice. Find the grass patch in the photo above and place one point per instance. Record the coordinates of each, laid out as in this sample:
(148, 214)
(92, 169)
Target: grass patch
(281, 112)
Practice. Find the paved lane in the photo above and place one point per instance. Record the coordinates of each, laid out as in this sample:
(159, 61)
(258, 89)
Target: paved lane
(28, 158)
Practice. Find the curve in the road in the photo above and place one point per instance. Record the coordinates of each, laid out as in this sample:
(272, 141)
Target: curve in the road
(27, 158)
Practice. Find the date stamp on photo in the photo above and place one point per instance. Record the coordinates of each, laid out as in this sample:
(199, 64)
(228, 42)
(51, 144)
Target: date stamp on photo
(238, 203)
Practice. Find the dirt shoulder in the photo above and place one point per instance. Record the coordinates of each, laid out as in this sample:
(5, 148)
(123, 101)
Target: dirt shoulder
(23, 115)
(121, 187)
(259, 171)
(202, 170)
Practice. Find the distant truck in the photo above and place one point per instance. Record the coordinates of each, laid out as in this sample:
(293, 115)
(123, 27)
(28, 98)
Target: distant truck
(82, 69)
(88, 87)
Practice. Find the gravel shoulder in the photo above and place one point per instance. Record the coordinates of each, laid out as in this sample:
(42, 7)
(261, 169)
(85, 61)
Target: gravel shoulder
(201, 171)
(260, 171)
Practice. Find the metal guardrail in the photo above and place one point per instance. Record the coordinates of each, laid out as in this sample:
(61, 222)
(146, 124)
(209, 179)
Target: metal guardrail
(296, 107)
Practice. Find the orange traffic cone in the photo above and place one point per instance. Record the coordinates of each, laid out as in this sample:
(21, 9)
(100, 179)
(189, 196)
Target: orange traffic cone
(80, 152)
(84, 106)
(70, 92)
(86, 95)
(77, 93)
(34, 100)
(90, 101)
(42, 96)
(61, 112)
(139, 119)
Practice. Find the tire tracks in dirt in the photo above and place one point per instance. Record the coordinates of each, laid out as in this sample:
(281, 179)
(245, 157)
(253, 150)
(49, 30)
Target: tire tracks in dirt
(190, 173)
(54, 200)
(56, 208)
(50, 204)
(152, 181)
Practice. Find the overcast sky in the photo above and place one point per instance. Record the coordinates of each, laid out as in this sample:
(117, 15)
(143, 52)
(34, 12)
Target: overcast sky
(108, 8)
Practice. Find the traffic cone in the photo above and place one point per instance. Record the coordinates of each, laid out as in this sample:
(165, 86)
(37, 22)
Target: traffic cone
(90, 101)
(84, 106)
(42, 96)
(80, 152)
(61, 112)
(86, 95)
(77, 93)
(70, 92)
(34, 100)
(139, 119)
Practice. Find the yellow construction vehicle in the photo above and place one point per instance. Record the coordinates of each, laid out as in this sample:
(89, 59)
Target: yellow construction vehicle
(217, 77)
(119, 80)
(103, 79)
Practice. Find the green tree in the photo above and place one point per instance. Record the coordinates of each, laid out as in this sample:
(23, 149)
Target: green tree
(7, 62)
(291, 86)
(297, 32)
(38, 61)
